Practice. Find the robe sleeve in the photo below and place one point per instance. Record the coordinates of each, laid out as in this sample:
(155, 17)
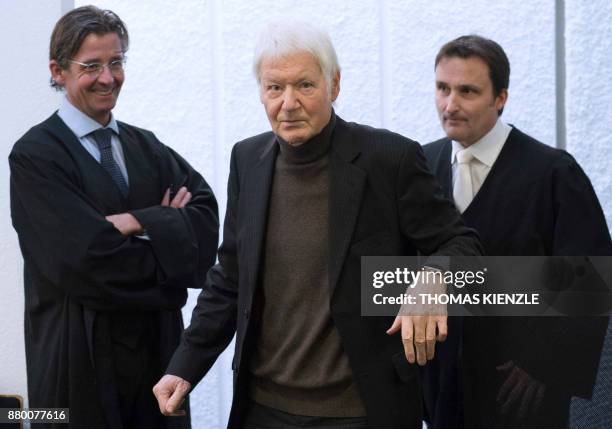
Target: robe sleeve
(183, 240)
(68, 244)
(572, 344)
(580, 224)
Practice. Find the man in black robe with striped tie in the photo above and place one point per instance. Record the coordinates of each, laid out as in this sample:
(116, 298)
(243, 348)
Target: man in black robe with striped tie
(109, 247)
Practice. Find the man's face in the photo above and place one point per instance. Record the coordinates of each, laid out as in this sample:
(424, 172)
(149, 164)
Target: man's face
(464, 98)
(94, 95)
(295, 95)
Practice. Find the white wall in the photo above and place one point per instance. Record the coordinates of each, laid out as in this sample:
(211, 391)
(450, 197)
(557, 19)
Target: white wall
(588, 44)
(25, 26)
(189, 80)
(588, 109)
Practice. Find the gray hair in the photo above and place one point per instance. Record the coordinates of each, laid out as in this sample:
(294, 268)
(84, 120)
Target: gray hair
(282, 38)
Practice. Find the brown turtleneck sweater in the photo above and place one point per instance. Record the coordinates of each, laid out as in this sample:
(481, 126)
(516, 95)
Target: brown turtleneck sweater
(299, 365)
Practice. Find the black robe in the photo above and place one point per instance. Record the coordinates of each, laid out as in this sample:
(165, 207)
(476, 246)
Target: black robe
(84, 281)
(536, 200)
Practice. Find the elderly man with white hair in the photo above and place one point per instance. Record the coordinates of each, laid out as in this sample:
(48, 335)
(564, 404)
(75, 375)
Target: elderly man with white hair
(305, 202)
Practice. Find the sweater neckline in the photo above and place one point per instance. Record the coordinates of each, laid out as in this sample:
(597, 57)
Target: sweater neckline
(311, 150)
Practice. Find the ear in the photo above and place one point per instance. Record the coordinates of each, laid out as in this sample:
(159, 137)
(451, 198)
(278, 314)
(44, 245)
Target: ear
(500, 100)
(57, 73)
(335, 87)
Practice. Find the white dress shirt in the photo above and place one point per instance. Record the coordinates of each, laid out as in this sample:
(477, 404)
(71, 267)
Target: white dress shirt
(485, 151)
(82, 126)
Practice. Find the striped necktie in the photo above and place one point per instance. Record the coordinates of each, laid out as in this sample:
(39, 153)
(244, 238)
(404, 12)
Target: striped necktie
(102, 136)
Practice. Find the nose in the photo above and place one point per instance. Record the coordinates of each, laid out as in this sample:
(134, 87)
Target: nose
(452, 104)
(290, 99)
(105, 76)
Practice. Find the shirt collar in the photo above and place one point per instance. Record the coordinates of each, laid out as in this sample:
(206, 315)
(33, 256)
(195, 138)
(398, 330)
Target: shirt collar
(81, 124)
(488, 147)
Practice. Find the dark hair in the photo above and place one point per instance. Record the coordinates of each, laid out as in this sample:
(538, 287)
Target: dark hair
(488, 51)
(75, 26)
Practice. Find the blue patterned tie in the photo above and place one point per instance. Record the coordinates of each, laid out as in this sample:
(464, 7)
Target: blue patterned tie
(102, 136)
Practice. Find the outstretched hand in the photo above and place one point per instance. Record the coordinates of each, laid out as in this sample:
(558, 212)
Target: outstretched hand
(420, 333)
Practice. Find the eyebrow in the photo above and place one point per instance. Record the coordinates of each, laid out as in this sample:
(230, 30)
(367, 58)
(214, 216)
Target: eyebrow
(470, 87)
(114, 57)
(460, 87)
(307, 75)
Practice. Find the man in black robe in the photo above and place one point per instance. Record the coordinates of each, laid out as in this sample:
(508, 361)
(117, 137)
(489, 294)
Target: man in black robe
(114, 227)
(523, 198)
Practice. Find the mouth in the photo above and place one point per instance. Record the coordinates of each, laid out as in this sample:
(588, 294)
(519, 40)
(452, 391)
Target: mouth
(103, 92)
(292, 123)
(454, 121)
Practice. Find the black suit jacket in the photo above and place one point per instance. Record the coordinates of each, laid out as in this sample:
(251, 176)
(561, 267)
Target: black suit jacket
(536, 200)
(382, 201)
(84, 281)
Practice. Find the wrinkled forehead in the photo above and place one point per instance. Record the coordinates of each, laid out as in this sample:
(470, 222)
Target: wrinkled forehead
(100, 44)
(300, 63)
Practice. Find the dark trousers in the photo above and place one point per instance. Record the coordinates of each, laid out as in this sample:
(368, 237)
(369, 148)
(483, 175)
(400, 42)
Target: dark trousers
(135, 374)
(127, 367)
(262, 417)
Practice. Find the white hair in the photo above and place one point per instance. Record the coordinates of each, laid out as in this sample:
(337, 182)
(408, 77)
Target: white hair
(282, 38)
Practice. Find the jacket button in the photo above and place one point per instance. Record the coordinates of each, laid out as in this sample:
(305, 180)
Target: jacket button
(246, 313)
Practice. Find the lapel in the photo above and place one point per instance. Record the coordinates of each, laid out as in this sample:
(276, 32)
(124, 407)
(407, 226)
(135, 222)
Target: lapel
(141, 171)
(256, 191)
(347, 183)
(500, 178)
(443, 169)
(96, 181)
